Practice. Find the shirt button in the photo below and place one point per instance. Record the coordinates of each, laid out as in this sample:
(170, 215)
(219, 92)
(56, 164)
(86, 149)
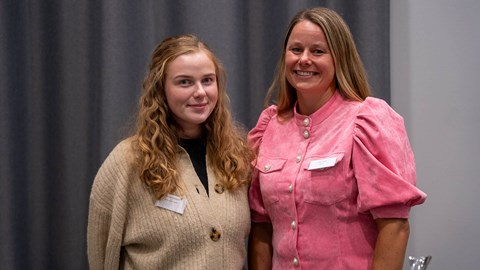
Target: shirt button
(215, 235)
(294, 225)
(306, 134)
(298, 159)
(306, 122)
(295, 261)
(267, 168)
(290, 188)
(219, 189)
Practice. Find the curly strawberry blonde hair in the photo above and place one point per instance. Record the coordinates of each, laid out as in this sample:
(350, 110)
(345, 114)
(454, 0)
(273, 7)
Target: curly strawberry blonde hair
(157, 132)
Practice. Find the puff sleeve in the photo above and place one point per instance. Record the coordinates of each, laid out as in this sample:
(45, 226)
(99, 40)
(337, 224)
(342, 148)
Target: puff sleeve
(255, 136)
(383, 162)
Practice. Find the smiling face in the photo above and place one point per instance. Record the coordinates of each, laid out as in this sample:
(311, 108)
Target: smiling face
(191, 91)
(309, 64)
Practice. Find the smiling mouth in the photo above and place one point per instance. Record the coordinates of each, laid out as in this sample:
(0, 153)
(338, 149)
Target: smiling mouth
(201, 105)
(305, 73)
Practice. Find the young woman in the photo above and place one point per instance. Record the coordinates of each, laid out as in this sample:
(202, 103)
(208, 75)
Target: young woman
(174, 195)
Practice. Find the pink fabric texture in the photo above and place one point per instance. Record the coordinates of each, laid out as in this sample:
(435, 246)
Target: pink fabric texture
(323, 179)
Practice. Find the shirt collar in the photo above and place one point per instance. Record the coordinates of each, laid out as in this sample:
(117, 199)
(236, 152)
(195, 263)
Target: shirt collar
(321, 114)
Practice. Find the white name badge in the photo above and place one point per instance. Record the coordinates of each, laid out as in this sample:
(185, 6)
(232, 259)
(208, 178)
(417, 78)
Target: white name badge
(322, 163)
(172, 203)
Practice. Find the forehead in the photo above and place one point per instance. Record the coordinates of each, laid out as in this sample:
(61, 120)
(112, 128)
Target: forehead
(306, 29)
(192, 62)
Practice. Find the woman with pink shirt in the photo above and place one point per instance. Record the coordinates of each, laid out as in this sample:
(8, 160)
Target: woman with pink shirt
(334, 176)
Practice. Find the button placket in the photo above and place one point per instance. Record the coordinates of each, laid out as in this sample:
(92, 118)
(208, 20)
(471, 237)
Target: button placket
(306, 134)
(306, 123)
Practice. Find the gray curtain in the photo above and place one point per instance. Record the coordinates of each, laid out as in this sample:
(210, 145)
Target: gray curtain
(70, 76)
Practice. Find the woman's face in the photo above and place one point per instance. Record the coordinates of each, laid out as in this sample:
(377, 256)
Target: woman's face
(191, 91)
(309, 65)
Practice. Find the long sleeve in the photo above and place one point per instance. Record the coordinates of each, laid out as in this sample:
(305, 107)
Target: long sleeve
(108, 209)
(99, 237)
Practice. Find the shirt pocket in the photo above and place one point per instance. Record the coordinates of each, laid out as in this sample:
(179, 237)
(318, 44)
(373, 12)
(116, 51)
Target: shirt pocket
(325, 179)
(270, 176)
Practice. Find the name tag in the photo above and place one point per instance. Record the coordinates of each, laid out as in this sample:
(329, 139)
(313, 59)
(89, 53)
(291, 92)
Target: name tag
(172, 203)
(322, 163)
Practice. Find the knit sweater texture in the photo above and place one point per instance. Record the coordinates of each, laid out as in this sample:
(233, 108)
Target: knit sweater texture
(127, 231)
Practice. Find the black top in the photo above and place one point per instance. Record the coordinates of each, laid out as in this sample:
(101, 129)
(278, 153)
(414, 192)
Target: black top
(197, 150)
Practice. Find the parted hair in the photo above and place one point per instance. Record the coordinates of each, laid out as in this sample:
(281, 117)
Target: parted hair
(157, 132)
(350, 75)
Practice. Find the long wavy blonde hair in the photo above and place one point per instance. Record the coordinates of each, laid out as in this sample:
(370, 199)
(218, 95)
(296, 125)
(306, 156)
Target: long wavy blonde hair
(350, 75)
(157, 132)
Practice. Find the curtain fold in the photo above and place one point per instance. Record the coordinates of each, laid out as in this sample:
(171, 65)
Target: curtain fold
(70, 76)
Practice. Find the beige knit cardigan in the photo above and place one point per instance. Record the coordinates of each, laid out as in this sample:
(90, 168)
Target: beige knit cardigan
(127, 231)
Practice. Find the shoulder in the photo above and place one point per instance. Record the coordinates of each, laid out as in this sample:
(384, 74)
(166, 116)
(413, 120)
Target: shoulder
(266, 115)
(115, 173)
(256, 134)
(379, 129)
(378, 109)
(123, 152)
(375, 115)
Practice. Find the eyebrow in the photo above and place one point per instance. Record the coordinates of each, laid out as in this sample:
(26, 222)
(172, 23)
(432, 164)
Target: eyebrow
(182, 76)
(296, 43)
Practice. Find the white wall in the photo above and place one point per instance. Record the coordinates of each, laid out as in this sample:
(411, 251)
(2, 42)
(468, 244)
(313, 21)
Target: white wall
(435, 49)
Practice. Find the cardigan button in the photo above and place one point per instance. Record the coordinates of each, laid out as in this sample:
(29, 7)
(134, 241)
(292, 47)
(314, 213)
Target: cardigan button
(267, 168)
(215, 235)
(219, 189)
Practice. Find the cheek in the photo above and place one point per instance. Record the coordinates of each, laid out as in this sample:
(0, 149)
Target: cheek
(290, 61)
(213, 95)
(176, 96)
(170, 100)
(329, 64)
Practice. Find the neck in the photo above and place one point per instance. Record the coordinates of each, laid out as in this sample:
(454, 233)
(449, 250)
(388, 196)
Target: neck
(310, 103)
(190, 133)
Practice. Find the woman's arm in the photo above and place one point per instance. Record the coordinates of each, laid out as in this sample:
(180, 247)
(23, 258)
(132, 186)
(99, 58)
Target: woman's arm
(391, 243)
(260, 248)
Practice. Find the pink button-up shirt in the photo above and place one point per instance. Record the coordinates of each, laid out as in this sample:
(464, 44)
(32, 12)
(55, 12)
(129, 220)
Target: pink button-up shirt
(322, 179)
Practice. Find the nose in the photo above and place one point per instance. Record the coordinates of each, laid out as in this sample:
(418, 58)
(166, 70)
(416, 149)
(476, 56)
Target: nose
(304, 58)
(199, 91)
